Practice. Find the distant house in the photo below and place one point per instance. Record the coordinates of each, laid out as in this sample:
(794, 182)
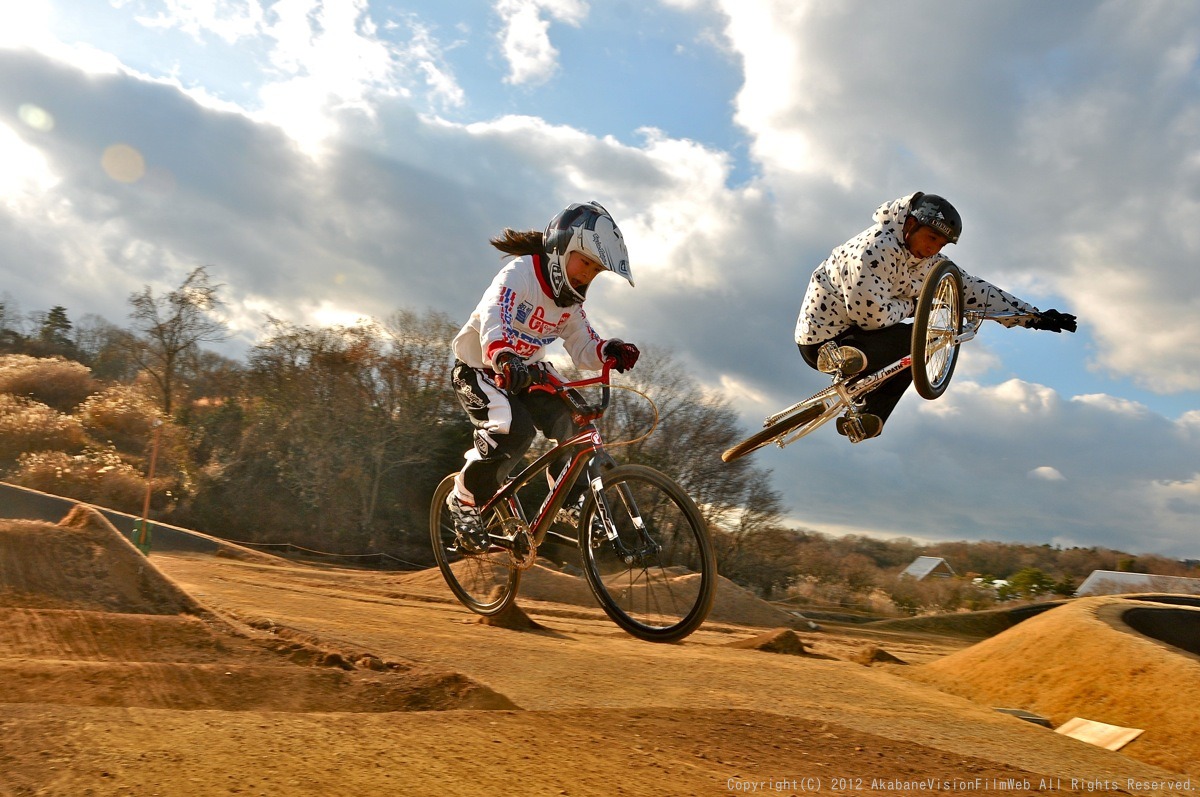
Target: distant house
(1113, 582)
(929, 567)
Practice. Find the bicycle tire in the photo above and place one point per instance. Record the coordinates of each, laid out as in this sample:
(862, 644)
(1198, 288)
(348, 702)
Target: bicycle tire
(938, 317)
(667, 589)
(769, 434)
(485, 583)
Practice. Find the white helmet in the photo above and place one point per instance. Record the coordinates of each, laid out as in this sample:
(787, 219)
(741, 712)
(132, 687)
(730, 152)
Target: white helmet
(590, 229)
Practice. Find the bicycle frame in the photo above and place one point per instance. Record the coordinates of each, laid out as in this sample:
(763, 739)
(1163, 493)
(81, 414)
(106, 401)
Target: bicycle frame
(847, 392)
(589, 449)
(588, 457)
(643, 544)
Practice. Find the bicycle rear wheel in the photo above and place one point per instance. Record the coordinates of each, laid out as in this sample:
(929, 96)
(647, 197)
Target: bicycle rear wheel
(809, 414)
(658, 577)
(937, 323)
(485, 583)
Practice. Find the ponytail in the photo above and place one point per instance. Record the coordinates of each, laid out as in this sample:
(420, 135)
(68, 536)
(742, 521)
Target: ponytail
(512, 242)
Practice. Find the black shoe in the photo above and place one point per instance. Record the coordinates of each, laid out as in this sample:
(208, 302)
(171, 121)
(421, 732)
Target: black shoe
(860, 426)
(468, 525)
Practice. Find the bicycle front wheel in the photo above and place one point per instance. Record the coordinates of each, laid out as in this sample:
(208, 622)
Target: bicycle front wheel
(937, 323)
(485, 583)
(804, 420)
(651, 564)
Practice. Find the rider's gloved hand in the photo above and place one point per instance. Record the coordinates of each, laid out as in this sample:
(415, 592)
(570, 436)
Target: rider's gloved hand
(512, 373)
(626, 354)
(1053, 321)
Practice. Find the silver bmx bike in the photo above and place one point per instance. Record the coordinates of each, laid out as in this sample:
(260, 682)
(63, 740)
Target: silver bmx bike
(940, 325)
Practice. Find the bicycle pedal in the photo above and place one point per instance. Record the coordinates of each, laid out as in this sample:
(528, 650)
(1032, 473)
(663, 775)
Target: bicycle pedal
(850, 428)
(857, 428)
(827, 359)
(840, 361)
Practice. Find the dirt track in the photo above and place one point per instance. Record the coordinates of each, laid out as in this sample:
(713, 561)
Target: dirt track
(231, 676)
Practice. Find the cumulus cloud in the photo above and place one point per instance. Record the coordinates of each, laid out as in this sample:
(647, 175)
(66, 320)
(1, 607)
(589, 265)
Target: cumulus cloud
(990, 462)
(1036, 132)
(25, 24)
(1038, 135)
(525, 36)
(324, 57)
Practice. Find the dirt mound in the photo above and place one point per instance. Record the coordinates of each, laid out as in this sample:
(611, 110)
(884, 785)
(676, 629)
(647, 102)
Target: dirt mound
(739, 605)
(1082, 659)
(512, 617)
(238, 685)
(87, 620)
(82, 563)
(781, 640)
(873, 654)
(546, 582)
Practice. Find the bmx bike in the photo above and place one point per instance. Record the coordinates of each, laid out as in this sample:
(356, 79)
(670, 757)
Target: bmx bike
(940, 325)
(645, 549)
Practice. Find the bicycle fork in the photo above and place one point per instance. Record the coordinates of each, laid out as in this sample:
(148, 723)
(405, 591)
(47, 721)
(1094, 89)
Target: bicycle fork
(648, 547)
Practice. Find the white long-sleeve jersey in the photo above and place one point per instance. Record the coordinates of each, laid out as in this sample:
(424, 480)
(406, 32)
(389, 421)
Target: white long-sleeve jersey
(872, 281)
(518, 313)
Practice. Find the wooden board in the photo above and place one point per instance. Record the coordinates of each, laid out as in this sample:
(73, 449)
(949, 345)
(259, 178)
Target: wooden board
(1110, 737)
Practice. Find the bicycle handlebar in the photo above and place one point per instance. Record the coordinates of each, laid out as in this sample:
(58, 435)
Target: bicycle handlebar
(565, 389)
(1005, 315)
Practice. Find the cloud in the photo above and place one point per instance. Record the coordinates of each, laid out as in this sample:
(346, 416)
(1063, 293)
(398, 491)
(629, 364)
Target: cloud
(1010, 120)
(321, 59)
(1047, 473)
(351, 234)
(25, 24)
(228, 21)
(24, 173)
(525, 36)
(1040, 136)
(990, 462)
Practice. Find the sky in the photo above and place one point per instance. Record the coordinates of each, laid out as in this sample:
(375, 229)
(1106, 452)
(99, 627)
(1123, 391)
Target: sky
(335, 160)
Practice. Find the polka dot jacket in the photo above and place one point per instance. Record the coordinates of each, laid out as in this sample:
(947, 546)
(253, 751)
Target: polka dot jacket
(873, 282)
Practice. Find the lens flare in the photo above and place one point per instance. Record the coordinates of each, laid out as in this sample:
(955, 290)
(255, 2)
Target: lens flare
(38, 118)
(123, 163)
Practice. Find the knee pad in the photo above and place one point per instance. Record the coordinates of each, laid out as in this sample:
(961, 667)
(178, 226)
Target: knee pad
(486, 446)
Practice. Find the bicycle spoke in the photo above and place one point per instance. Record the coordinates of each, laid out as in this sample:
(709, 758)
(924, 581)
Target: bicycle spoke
(485, 583)
(936, 326)
(657, 577)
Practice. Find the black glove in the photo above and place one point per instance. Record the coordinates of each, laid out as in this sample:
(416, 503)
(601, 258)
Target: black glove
(512, 374)
(1053, 321)
(626, 354)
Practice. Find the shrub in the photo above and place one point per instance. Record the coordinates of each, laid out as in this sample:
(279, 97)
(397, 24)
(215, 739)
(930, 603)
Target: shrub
(28, 426)
(97, 476)
(53, 381)
(122, 416)
(125, 417)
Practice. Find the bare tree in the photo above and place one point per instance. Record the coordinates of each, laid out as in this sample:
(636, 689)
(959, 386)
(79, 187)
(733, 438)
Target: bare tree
(169, 329)
(694, 427)
(347, 412)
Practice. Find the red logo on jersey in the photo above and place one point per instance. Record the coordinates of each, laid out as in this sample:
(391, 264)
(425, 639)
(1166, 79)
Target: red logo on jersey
(540, 325)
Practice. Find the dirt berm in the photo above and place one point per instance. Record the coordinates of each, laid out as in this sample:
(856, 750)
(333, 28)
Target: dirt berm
(194, 675)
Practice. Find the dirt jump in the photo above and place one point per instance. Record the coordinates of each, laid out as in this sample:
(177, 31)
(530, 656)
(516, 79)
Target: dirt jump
(197, 674)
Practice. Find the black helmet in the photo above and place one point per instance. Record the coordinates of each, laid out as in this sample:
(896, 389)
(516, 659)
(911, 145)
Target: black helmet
(933, 211)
